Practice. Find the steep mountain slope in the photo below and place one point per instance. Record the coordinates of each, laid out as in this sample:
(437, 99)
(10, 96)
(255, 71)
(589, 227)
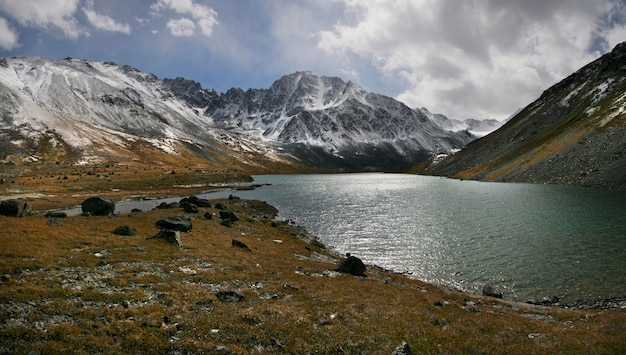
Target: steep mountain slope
(573, 134)
(83, 111)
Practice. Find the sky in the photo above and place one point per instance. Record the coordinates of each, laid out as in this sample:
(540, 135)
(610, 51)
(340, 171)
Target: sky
(462, 58)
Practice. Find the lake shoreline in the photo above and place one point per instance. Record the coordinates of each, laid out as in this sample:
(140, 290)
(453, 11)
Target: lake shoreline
(611, 302)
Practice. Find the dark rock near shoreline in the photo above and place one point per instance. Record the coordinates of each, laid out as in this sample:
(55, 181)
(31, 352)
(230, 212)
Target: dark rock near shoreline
(200, 202)
(177, 223)
(220, 206)
(98, 206)
(189, 207)
(15, 208)
(351, 265)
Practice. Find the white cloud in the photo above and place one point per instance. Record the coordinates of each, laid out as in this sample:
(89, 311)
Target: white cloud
(45, 14)
(8, 37)
(470, 58)
(205, 17)
(103, 22)
(181, 27)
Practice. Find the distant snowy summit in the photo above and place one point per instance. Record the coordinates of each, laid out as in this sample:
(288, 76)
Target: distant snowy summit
(91, 109)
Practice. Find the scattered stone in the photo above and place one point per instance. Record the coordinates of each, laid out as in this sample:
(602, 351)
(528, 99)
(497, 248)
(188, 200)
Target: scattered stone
(220, 206)
(5, 278)
(490, 291)
(227, 222)
(54, 222)
(402, 349)
(189, 207)
(187, 270)
(351, 265)
(136, 210)
(15, 208)
(166, 205)
(229, 296)
(238, 244)
(224, 214)
(125, 230)
(171, 236)
(55, 214)
(277, 344)
(208, 215)
(200, 202)
(177, 223)
(98, 206)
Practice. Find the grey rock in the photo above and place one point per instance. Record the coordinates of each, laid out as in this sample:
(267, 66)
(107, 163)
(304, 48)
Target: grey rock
(220, 206)
(170, 236)
(402, 349)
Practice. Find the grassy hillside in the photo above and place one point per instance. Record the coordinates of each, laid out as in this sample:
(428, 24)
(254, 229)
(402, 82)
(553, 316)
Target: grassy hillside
(71, 286)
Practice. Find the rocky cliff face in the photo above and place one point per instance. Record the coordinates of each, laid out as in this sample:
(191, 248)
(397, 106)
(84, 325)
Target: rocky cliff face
(573, 134)
(91, 109)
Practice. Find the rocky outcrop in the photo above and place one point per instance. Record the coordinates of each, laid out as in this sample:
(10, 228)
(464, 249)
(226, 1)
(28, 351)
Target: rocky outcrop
(15, 208)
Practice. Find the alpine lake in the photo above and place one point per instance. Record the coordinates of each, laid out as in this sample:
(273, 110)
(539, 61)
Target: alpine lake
(529, 242)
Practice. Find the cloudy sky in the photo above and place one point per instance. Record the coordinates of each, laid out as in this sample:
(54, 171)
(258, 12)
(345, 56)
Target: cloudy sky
(469, 58)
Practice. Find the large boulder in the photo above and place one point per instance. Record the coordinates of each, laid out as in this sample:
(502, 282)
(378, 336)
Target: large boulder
(15, 208)
(177, 223)
(351, 265)
(98, 206)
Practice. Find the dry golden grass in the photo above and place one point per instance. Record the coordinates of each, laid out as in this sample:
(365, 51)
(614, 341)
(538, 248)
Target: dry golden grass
(76, 288)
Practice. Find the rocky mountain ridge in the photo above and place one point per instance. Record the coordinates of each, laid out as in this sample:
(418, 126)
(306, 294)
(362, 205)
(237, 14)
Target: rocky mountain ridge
(82, 111)
(573, 134)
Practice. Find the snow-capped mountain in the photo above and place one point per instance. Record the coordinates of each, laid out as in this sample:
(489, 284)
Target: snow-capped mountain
(95, 109)
(327, 121)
